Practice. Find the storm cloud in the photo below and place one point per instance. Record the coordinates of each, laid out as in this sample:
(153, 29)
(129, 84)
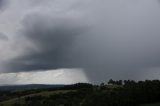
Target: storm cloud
(53, 39)
(107, 39)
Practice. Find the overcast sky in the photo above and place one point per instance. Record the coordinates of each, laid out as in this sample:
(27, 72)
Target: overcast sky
(95, 39)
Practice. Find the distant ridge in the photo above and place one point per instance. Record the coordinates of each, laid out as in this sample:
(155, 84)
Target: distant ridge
(27, 87)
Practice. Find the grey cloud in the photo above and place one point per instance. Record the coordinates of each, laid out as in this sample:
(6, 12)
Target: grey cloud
(53, 37)
(122, 43)
(3, 37)
(3, 4)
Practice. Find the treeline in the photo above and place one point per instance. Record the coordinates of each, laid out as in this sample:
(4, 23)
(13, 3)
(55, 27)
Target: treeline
(125, 93)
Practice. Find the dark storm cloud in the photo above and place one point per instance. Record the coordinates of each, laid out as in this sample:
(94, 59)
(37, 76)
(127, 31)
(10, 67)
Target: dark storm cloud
(53, 37)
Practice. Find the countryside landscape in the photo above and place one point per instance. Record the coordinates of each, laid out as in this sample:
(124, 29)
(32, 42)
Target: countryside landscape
(79, 52)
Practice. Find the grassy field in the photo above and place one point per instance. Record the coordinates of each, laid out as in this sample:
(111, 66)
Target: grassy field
(43, 94)
(155, 104)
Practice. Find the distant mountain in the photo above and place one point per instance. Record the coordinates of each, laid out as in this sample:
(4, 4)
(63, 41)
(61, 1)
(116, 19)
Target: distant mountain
(27, 87)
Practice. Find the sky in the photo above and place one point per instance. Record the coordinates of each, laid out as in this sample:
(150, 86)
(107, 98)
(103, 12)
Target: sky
(59, 76)
(91, 41)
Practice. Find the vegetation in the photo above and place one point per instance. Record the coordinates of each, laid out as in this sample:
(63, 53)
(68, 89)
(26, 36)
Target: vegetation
(113, 93)
(154, 104)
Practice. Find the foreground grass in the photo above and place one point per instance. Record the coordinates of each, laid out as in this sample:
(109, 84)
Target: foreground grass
(21, 99)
